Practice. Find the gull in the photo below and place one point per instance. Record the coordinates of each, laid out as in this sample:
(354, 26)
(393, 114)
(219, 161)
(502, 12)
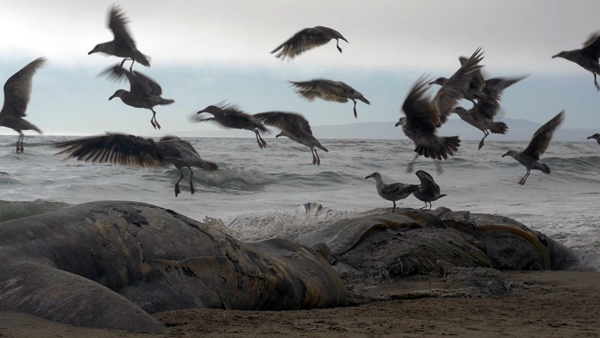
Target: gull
(134, 150)
(428, 191)
(122, 44)
(392, 192)
(596, 137)
(294, 126)
(329, 91)
(424, 115)
(481, 116)
(587, 57)
(143, 93)
(17, 92)
(232, 117)
(307, 39)
(537, 146)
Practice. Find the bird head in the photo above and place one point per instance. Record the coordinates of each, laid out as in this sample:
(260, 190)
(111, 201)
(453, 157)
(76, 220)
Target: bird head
(375, 174)
(595, 136)
(401, 122)
(561, 55)
(210, 109)
(98, 48)
(280, 134)
(511, 153)
(118, 93)
(460, 111)
(439, 81)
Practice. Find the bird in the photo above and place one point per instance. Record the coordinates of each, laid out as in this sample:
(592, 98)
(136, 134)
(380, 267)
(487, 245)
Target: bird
(125, 149)
(428, 191)
(596, 137)
(122, 44)
(17, 92)
(587, 57)
(392, 192)
(294, 126)
(329, 91)
(481, 116)
(424, 115)
(231, 116)
(537, 146)
(306, 39)
(143, 93)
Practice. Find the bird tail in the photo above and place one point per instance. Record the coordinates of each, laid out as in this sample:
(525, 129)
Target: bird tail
(324, 149)
(545, 168)
(166, 102)
(207, 165)
(499, 128)
(440, 196)
(441, 149)
(142, 59)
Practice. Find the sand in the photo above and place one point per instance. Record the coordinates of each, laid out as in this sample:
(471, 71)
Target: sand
(555, 304)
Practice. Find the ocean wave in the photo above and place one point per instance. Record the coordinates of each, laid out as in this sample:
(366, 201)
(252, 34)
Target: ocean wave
(245, 179)
(19, 209)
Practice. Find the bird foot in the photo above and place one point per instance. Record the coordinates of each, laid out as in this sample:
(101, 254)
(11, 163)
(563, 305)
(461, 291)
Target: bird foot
(153, 124)
(438, 168)
(192, 189)
(177, 191)
(480, 145)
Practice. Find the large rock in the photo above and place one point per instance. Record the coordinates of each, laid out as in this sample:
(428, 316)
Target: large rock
(384, 246)
(109, 264)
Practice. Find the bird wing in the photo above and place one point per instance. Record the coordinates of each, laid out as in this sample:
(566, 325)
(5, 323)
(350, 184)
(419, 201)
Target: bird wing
(540, 140)
(487, 107)
(114, 148)
(477, 82)
(495, 86)
(17, 89)
(419, 113)
(427, 182)
(147, 85)
(285, 121)
(239, 118)
(302, 41)
(324, 89)
(592, 45)
(392, 188)
(116, 23)
(456, 87)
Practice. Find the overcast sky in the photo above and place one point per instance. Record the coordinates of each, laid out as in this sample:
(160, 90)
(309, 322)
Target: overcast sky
(204, 52)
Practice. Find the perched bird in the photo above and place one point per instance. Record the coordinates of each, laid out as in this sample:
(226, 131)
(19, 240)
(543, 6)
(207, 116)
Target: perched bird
(596, 137)
(392, 192)
(133, 150)
(587, 57)
(306, 39)
(481, 116)
(428, 191)
(424, 115)
(122, 44)
(17, 91)
(294, 126)
(232, 117)
(143, 93)
(537, 146)
(329, 91)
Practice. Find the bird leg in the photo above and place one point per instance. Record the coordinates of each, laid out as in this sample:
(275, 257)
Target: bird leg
(337, 44)
(596, 83)
(177, 191)
(318, 158)
(153, 120)
(524, 178)
(438, 167)
(394, 208)
(409, 167)
(486, 133)
(20, 142)
(429, 205)
(355, 115)
(191, 180)
(259, 140)
(424, 206)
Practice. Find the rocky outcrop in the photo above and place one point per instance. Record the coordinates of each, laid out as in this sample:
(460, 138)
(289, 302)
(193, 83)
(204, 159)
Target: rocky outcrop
(109, 264)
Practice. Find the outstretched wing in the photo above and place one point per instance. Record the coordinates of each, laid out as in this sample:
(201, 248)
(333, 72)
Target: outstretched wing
(114, 148)
(540, 140)
(116, 23)
(427, 182)
(17, 89)
(304, 40)
(418, 110)
(324, 89)
(592, 45)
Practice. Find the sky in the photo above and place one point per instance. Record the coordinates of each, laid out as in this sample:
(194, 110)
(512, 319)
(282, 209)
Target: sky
(206, 52)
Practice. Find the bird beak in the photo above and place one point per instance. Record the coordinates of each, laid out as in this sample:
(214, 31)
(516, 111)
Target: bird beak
(431, 83)
(589, 137)
(504, 155)
(200, 112)
(90, 52)
(397, 124)
(112, 97)
(368, 176)
(554, 56)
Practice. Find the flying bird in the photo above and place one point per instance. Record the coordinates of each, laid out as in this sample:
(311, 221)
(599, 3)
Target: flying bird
(392, 192)
(143, 93)
(17, 92)
(428, 191)
(134, 150)
(294, 126)
(122, 44)
(596, 137)
(481, 116)
(329, 91)
(537, 146)
(307, 39)
(587, 57)
(231, 116)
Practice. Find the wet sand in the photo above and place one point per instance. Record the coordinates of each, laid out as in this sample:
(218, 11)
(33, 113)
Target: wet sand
(554, 304)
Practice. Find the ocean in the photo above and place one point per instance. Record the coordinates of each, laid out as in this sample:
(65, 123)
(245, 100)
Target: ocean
(278, 192)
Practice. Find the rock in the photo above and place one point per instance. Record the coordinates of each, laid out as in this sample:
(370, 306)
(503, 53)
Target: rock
(109, 264)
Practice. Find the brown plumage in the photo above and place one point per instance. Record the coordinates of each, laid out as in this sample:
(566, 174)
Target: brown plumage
(595, 137)
(294, 126)
(329, 91)
(307, 39)
(537, 146)
(122, 44)
(134, 150)
(17, 92)
(587, 57)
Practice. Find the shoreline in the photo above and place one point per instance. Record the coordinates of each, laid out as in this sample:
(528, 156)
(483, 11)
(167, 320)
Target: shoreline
(554, 304)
